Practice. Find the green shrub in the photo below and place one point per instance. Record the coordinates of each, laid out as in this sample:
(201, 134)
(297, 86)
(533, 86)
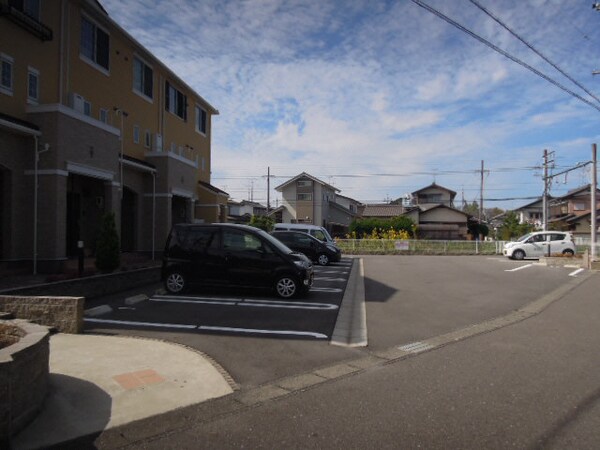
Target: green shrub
(371, 226)
(108, 252)
(262, 222)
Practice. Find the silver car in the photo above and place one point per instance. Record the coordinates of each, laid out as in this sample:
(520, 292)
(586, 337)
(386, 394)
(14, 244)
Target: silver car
(539, 244)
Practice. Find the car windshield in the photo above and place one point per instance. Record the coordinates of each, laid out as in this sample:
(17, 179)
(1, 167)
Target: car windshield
(524, 238)
(275, 242)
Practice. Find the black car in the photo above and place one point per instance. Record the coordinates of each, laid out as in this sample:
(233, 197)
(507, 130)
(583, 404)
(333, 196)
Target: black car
(232, 255)
(318, 251)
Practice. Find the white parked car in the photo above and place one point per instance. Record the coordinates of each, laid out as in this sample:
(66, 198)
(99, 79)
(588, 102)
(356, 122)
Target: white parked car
(540, 243)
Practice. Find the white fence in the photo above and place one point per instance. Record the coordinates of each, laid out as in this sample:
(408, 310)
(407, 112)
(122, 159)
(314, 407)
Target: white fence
(423, 247)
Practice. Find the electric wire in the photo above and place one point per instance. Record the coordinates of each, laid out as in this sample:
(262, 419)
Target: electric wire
(532, 48)
(503, 53)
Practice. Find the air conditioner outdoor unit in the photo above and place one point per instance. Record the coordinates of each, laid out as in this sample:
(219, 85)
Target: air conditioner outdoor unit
(77, 102)
(158, 142)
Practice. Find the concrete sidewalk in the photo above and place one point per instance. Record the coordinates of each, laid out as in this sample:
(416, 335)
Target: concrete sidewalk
(99, 382)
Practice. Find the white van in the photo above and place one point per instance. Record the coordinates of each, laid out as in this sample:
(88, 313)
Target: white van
(319, 232)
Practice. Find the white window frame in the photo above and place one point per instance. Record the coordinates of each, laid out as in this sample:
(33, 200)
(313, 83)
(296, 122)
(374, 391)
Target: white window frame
(136, 134)
(103, 115)
(199, 110)
(136, 89)
(87, 108)
(36, 74)
(308, 196)
(172, 105)
(93, 60)
(147, 139)
(9, 60)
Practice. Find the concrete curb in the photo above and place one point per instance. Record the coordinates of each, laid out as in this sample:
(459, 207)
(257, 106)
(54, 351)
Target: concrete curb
(351, 325)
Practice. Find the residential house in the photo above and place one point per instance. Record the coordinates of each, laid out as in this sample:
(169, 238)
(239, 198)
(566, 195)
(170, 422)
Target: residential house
(91, 122)
(242, 212)
(572, 211)
(306, 199)
(433, 194)
(532, 213)
(430, 208)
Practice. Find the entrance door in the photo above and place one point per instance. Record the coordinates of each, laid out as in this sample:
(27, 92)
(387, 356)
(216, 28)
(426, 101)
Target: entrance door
(73, 222)
(128, 220)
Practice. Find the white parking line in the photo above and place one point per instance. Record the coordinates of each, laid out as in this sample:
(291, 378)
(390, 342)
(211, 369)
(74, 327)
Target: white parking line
(329, 279)
(245, 302)
(519, 268)
(255, 331)
(324, 289)
(211, 328)
(141, 324)
(576, 272)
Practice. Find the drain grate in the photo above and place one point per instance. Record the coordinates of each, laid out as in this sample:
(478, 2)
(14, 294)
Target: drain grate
(416, 347)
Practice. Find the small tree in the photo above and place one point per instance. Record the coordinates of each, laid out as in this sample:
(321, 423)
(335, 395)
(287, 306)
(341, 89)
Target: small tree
(262, 222)
(108, 253)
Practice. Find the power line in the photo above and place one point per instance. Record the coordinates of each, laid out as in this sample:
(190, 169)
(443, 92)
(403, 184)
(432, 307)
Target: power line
(503, 53)
(532, 48)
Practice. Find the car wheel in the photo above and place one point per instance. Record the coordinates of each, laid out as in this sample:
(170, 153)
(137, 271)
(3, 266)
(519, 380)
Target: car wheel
(286, 286)
(518, 254)
(176, 282)
(323, 259)
(568, 252)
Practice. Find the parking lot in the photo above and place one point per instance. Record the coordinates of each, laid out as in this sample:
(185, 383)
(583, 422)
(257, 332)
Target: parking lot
(244, 313)
(257, 337)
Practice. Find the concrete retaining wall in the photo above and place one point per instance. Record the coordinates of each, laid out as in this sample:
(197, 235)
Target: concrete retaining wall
(24, 373)
(94, 286)
(63, 313)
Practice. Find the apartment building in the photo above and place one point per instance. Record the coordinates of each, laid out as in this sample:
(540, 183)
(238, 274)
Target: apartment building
(92, 122)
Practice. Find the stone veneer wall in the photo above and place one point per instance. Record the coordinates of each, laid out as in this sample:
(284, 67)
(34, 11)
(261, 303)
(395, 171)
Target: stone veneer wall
(63, 313)
(24, 374)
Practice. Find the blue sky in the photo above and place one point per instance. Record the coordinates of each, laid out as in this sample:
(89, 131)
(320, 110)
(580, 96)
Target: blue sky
(381, 98)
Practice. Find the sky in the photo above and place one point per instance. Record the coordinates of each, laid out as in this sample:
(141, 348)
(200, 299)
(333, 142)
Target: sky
(381, 98)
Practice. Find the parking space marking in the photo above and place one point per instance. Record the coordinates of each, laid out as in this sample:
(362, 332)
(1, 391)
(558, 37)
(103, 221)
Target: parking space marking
(258, 331)
(519, 268)
(329, 279)
(244, 302)
(576, 272)
(140, 324)
(210, 328)
(338, 272)
(324, 289)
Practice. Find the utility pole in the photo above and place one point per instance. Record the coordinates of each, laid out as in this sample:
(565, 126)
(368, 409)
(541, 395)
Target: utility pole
(268, 189)
(481, 196)
(545, 195)
(593, 203)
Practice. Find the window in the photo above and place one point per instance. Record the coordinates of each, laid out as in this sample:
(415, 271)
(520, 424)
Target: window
(103, 115)
(304, 197)
(29, 7)
(239, 241)
(200, 120)
(87, 108)
(142, 78)
(6, 76)
(33, 85)
(304, 183)
(580, 206)
(136, 134)
(94, 44)
(147, 139)
(175, 101)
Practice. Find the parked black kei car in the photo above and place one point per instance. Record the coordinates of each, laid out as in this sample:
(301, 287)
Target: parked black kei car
(232, 255)
(318, 251)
